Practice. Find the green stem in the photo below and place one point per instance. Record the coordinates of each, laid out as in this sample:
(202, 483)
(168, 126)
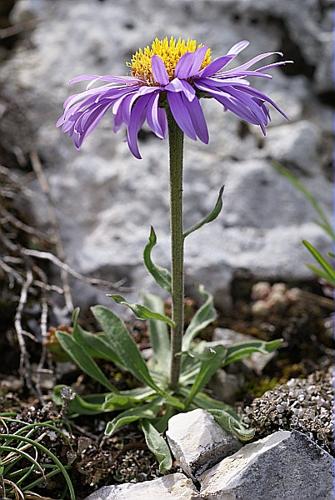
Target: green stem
(176, 141)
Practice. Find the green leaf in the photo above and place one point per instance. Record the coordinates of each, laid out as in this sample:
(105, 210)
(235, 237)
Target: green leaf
(157, 445)
(146, 411)
(161, 422)
(85, 362)
(159, 335)
(211, 362)
(127, 398)
(75, 316)
(326, 267)
(245, 349)
(161, 276)
(210, 217)
(324, 222)
(96, 345)
(225, 415)
(202, 318)
(233, 425)
(319, 272)
(121, 342)
(142, 312)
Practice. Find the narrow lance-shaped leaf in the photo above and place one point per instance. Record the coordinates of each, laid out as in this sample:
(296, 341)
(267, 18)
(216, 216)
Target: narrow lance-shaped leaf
(211, 362)
(210, 217)
(320, 273)
(325, 265)
(157, 445)
(159, 335)
(146, 411)
(96, 345)
(142, 312)
(202, 318)
(245, 349)
(161, 276)
(129, 398)
(78, 354)
(122, 343)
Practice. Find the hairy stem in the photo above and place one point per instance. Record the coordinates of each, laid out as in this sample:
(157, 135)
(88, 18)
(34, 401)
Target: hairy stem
(176, 141)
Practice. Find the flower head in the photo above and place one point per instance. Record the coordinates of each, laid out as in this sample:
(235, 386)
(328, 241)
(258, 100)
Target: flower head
(170, 74)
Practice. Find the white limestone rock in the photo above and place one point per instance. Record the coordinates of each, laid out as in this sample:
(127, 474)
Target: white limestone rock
(173, 486)
(197, 441)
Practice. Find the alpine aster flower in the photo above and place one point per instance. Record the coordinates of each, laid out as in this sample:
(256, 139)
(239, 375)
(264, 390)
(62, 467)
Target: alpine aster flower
(170, 74)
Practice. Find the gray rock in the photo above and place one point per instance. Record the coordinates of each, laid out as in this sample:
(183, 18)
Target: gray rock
(285, 465)
(106, 200)
(197, 441)
(296, 144)
(171, 486)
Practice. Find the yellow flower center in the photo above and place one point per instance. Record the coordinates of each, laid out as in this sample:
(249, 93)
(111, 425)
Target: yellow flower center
(170, 50)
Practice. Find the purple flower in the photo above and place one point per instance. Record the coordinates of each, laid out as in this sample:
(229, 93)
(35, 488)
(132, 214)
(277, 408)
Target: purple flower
(170, 74)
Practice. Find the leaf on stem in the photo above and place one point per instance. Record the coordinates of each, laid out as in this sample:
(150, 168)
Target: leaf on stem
(157, 445)
(161, 276)
(210, 217)
(202, 318)
(142, 312)
(245, 349)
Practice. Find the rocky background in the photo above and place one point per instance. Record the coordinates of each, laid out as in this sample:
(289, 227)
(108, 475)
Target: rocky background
(106, 200)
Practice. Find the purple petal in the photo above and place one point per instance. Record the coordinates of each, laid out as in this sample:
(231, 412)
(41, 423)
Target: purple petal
(152, 116)
(136, 121)
(190, 63)
(264, 97)
(199, 56)
(198, 120)
(159, 70)
(253, 61)
(214, 81)
(238, 47)
(104, 78)
(216, 65)
(162, 121)
(183, 86)
(230, 102)
(273, 65)
(181, 114)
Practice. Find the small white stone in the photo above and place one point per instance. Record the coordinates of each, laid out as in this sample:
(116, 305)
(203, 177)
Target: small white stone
(168, 487)
(197, 441)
